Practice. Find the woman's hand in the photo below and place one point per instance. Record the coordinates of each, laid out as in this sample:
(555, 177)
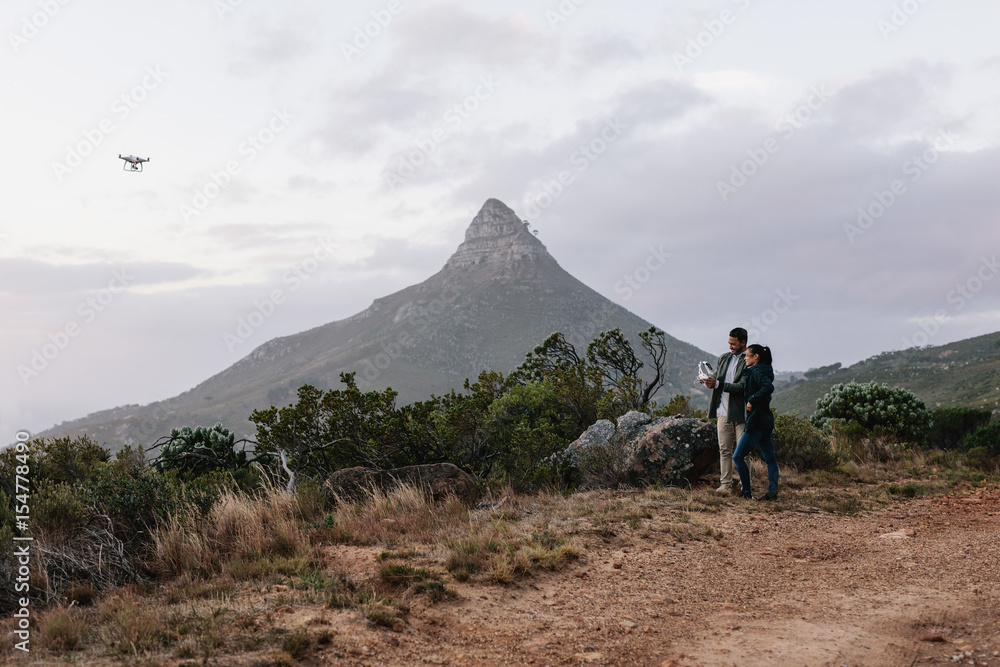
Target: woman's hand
(749, 407)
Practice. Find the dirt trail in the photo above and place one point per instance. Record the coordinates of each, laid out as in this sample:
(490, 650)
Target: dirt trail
(917, 583)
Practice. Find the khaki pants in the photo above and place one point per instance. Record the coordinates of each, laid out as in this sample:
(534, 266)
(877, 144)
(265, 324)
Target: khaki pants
(729, 434)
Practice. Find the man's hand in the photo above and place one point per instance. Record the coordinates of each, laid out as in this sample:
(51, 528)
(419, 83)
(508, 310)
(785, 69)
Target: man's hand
(749, 407)
(710, 382)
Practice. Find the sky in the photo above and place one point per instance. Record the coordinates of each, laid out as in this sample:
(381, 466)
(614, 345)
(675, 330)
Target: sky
(824, 174)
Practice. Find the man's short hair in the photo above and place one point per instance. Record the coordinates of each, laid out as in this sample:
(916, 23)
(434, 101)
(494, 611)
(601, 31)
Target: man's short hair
(739, 333)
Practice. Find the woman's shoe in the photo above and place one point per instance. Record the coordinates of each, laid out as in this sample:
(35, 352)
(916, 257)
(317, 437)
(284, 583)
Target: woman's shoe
(769, 496)
(746, 494)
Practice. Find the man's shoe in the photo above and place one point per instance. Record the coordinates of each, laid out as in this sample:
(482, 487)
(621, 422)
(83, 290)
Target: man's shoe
(724, 489)
(746, 494)
(769, 496)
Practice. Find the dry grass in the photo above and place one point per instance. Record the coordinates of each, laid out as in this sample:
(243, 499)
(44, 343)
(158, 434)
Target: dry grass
(400, 516)
(63, 629)
(243, 535)
(223, 580)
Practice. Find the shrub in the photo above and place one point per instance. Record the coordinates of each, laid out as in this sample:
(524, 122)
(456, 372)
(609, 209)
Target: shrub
(194, 453)
(135, 498)
(986, 438)
(951, 425)
(797, 442)
(58, 508)
(680, 404)
(896, 411)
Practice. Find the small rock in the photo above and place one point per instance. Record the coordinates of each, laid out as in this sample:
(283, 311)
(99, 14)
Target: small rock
(967, 648)
(903, 534)
(627, 624)
(398, 626)
(593, 656)
(930, 637)
(390, 640)
(617, 565)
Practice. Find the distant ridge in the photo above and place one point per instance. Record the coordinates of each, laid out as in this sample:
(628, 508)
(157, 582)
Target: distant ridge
(965, 373)
(498, 296)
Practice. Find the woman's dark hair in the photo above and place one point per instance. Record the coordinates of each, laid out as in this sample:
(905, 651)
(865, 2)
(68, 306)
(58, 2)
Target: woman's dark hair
(762, 351)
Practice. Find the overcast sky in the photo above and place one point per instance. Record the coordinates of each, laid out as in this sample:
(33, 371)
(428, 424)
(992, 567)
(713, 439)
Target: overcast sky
(823, 173)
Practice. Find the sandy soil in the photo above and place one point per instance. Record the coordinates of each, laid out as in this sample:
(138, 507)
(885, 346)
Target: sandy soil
(914, 584)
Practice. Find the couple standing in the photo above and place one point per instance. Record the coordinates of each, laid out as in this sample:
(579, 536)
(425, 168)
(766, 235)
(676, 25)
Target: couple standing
(741, 404)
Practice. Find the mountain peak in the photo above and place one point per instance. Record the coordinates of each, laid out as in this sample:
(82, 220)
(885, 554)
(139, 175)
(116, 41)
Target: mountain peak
(497, 236)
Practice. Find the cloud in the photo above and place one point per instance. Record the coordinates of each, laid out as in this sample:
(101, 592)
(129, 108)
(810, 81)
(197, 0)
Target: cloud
(446, 34)
(32, 277)
(892, 101)
(606, 50)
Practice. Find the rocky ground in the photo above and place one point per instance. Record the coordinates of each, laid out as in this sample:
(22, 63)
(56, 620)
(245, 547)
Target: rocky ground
(666, 581)
(914, 584)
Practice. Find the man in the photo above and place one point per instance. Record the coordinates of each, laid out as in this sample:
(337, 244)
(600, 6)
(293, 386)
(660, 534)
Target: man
(727, 406)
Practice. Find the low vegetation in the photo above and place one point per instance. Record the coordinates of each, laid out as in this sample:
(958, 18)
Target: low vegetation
(197, 555)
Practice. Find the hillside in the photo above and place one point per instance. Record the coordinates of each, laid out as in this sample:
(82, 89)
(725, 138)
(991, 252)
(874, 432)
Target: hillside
(965, 373)
(497, 297)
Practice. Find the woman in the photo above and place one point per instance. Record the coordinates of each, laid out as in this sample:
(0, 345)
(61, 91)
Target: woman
(760, 421)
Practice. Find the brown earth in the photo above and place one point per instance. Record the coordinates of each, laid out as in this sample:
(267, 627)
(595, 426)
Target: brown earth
(913, 584)
(723, 582)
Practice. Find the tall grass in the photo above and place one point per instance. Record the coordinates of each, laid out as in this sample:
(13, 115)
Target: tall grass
(238, 529)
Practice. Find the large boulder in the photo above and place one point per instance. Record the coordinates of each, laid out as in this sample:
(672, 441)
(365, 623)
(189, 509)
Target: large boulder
(598, 434)
(672, 451)
(440, 480)
(631, 424)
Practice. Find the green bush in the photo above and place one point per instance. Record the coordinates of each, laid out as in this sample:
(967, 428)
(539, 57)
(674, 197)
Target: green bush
(985, 439)
(798, 442)
(950, 426)
(58, 508)
(875, 407)
(133, 496)
(679, 404)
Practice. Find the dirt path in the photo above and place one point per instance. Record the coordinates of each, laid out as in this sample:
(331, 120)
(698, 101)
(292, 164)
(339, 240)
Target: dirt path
(914, 584)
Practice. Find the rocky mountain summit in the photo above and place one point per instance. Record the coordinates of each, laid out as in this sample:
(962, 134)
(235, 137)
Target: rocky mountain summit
(498, 296)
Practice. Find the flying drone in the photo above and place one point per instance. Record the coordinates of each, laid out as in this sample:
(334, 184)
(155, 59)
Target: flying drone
(132, 163)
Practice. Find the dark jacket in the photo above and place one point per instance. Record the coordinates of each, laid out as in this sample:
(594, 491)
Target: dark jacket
(736, 410)
(759, 387)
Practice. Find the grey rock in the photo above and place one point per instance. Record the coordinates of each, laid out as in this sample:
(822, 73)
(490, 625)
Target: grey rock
(632, 423)
(672, 451)
(598, 434)
(423, 339)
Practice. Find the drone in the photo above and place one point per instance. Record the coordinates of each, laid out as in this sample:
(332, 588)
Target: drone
(132, 163)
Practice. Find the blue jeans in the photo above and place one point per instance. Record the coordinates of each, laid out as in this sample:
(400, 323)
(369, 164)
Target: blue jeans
(762, 440)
